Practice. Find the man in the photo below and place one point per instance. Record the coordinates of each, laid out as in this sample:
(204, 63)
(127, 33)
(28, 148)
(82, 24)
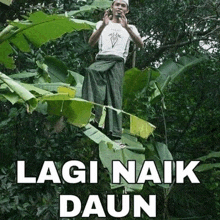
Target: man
(103, 79)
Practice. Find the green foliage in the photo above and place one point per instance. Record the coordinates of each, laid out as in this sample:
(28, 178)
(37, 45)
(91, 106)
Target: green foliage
(175, 29)
(184, 107)
(141, 89)
(137, 81)
(135, 152)
(38, 29)
(43, 141)
(77, 111)
(158, 152)
(170, 70)
(192, 128)
(56, 70)
(19, 91)
(102, 4)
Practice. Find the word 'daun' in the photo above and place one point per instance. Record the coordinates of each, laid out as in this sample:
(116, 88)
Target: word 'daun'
(94, 206)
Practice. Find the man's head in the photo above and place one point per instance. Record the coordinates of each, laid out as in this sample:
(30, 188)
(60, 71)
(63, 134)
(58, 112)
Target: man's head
(126, 1)
(118, 6)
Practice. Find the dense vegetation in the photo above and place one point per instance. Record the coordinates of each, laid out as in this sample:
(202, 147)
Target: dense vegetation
(175, 86)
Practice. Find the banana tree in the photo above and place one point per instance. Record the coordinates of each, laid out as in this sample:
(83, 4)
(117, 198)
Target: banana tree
(53, 90)
(60, 99)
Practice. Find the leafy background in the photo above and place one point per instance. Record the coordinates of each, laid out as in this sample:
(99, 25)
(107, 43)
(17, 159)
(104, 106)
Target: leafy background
(173, 83)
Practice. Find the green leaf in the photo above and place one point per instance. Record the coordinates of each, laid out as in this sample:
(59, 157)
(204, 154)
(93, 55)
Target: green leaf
(206, 167)
(130, 140)
(155, 81)
(43, 75)
(132, 152)
(103, 117)
(102, 4)
(32, 88)
(163, 152)
(23, 93)
(23, 75)
(210, 155)
(67, 90)
(7, 2)
(110, 150)
(5, 51)
(52, 87)
(158, 152)
(11, 97)
(56, 97)
(78, 82)
(77, 111)
(140, 127)
(20, 42)
(56, 69)
(170, 70)
(95, 135)
(136, 81)
(210, 166)
(42, 108)
(40, 29)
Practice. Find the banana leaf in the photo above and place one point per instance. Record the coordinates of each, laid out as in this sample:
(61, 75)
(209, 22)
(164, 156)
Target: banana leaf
(19, 91)
(38, 29)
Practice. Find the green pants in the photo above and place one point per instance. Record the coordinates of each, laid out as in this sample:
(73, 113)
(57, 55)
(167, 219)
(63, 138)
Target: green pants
(103, 85)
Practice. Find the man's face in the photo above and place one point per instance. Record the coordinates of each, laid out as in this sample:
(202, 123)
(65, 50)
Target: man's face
(118, 6)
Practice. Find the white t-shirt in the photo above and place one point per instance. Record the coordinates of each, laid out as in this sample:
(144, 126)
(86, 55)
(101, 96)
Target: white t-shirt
(115, 39)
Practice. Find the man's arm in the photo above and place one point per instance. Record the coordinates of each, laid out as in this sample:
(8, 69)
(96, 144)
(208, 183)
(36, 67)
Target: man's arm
(95, 36)
(137, 40)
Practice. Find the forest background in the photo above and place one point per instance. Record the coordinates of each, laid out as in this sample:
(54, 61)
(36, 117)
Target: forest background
(173, 83)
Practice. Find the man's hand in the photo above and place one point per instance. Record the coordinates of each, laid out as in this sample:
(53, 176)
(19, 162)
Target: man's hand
(95, 35)
(123, 20)
(106, 18)
(137, 40)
